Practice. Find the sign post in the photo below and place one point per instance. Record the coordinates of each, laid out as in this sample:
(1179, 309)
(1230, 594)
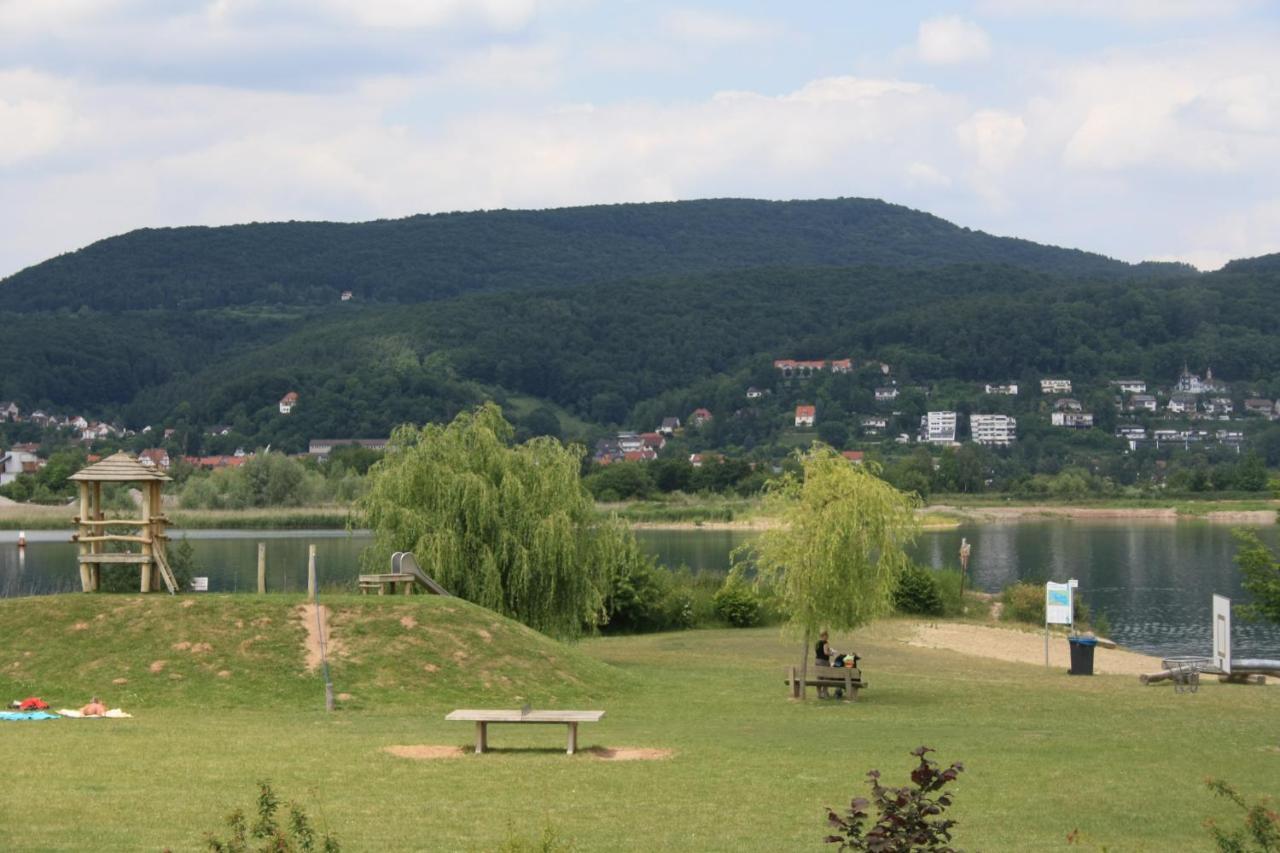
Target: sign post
(1058, 608)
(1222, 633)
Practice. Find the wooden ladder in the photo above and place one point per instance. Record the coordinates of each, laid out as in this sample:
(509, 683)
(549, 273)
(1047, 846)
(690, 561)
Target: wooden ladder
(166, 573)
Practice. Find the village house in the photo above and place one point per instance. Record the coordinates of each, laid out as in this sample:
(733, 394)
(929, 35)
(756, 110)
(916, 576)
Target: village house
(322, 447)
(1142, 403)
(938, 427)
(288, 401)
(1182, 403)
(346, 296)
(630, 441)
(1261, 406)
(9, 411)
(754, 393)
(700, 417)
(874, 425)
(210, 463)
(1067, 404)
(805, 415)
(854, 456)
(644, 454)
(792, 369)
(1133, 435)
(653, 440)
(1191, 383)
(39, 417)
(1055, 386)
(669, 426)
(219, 429)
(1009, 389)
(1072, 420)
(993, 430)
(842, 365)
(21, 459)
(1130, 386)
(1219, 406)
(154, 457)
(886, 394)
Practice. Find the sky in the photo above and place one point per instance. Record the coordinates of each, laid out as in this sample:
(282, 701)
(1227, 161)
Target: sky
(1141, 129)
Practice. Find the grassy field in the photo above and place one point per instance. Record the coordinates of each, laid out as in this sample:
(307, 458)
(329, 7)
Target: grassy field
(1045, 753)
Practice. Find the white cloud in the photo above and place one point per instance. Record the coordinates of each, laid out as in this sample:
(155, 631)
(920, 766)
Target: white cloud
(705, 26)
(951, 39)
(1136, 10)
(415, 14)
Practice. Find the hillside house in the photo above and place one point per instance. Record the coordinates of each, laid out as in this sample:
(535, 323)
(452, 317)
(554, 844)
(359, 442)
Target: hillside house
(874, 425)
(1261, 406)
(669, 426)
(886, 394)
(9, 411)
(21, 459)
(1182, 403)
(842, 365)
(630, 441)
(993, 430)
(1219, 406)
(322, 447)
(1067, 404)
(1009, 389)
(1134, 436)
(854, 456)
(346, 296)
(1055, 386)
(700, 417)
(1072, 420)
(805, 415)
(1141, 403)
(754, 393)
(1130, 386)
(644, 454)
(938, 427)
(288, 401)
(653, 440)
(790, 368)
(154, 457)
(1191, 383)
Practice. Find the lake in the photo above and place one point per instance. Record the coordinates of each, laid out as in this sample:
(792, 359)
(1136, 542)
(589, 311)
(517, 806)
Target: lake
(1152, 580)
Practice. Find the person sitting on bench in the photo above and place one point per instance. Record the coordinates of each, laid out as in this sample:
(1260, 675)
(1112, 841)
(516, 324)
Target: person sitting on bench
(827, 656)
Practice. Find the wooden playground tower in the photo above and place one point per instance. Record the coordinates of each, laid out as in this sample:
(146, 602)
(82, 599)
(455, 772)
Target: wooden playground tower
(94, 531)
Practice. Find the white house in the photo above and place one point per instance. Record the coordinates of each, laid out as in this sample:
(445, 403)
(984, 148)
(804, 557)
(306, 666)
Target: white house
(805, 415)
(1072, 420)
(288, 401)
(994, 430)
(1055, 386)
(1142, 403)
(938, 427)
(1182, 403)
(1218, 406)
(886, 394)
(1130, 386)
(1009, 389)
(17, 462)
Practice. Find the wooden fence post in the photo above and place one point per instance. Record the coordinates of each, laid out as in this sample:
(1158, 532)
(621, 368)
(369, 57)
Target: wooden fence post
(262, 567)
(311, 573)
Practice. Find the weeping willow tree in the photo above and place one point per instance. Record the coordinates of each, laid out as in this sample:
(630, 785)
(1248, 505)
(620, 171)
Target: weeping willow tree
(509, 527)
(835, 559)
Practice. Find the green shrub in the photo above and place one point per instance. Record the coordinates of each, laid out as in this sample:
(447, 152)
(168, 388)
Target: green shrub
(918, 593)
(949, 581)
(266, 833)
(737, 604)
(1023, 602)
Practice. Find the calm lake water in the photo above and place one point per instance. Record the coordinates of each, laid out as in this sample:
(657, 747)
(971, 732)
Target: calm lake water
(1153, 581)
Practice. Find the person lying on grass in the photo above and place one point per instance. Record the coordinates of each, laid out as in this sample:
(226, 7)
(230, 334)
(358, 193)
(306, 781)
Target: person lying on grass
(95, 708)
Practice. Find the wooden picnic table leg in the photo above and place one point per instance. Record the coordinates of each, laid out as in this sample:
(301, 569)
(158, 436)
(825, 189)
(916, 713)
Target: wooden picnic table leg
(481, 740)
(850, 694)
(795, 684)
(573, 738)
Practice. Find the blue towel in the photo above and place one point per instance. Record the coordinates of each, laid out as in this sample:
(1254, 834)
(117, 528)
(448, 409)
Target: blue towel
(28, 715)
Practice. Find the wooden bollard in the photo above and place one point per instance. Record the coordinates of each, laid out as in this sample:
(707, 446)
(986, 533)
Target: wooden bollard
(311, 573)
(262, 568)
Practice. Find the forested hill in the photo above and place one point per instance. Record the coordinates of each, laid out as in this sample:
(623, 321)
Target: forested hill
(430, 257)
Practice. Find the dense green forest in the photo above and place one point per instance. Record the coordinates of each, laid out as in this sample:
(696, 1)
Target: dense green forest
(433, 257)
(594, 319)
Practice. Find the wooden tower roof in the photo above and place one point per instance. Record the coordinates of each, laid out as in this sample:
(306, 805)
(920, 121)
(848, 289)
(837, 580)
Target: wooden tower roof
(119, 468)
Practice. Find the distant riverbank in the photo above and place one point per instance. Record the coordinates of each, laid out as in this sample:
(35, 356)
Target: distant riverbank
(16, 516)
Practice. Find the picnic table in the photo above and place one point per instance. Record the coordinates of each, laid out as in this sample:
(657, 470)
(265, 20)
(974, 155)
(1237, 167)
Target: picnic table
(847, 679)
(484, 716)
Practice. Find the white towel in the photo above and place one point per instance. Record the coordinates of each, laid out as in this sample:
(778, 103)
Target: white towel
(114, 713)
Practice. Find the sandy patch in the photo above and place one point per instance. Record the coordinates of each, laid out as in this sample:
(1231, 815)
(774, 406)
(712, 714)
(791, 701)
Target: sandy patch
(200, 648)
(175, 676)
(628, 753)
(1024, 647)
(224, 673)
(180, 647)
(425, 751)
(485, 635)
(344, 697)
(408, 622)
(1258, 516)
(158, 665)
(190, 602)
(430, 667)
(119, 681)
(315, 629)
(80, 626)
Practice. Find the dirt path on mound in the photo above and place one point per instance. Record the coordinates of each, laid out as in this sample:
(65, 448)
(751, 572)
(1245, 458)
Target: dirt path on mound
(1023, 647)
(307, 613)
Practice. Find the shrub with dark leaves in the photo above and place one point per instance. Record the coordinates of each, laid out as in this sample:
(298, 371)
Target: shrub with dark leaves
(906, 819)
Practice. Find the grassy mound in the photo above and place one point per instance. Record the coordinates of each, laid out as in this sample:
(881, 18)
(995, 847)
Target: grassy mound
(244, 650)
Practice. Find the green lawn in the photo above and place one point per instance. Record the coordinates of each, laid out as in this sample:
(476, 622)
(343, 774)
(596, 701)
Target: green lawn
(1045, 753)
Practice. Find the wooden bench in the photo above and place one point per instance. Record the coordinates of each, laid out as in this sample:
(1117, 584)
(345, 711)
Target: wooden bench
(846, 678)
(483, 717)
(392, 583)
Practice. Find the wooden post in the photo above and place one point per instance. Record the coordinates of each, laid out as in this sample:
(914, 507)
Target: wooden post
(804, 666)
(311, 573)
(480, 736)
(86, 581)
(573, 738)
(262, 568)
(147, 567)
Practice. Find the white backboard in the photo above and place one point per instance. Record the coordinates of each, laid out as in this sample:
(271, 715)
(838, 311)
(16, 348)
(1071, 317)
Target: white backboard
(1222, 633)
(1057, 603)
(200, 584)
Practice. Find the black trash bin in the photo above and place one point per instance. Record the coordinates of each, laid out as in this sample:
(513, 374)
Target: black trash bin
(1082, 655)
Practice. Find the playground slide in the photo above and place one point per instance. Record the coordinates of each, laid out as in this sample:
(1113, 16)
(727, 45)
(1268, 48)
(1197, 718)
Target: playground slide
(404, 563)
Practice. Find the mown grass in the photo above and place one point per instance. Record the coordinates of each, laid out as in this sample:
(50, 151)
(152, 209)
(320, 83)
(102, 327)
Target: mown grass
(1045, 753)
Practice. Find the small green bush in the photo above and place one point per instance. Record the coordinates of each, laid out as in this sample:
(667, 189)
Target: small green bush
(266, 835)
(918, 593)
(949, 581)
(738, 604)
(1023, 602)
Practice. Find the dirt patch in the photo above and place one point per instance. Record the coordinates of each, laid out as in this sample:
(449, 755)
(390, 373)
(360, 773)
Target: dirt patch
(119, 681)
(190, 602)
(224, 673)
(80, 626)
(180, 647)
(408, 622)
(175, 676)
(425, 751)
(315, 629)
(430, 667)
(1024, 647)
(158, 665)
(460, 656)
(485, 635)
(628, 753)
(200, 648)
(1260, 516)
(344, 697)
